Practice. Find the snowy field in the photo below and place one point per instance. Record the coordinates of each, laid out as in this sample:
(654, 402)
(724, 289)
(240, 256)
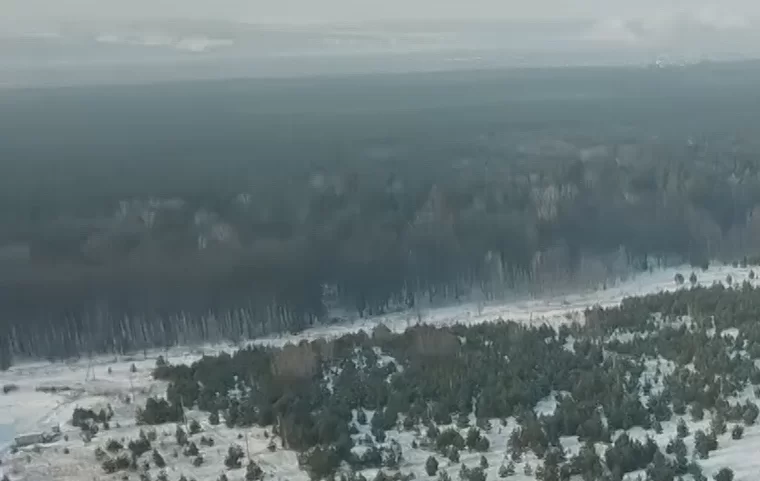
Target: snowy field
(109, 380)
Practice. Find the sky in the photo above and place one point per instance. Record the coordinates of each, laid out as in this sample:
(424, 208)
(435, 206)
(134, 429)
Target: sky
(69, 34)
(320, 11)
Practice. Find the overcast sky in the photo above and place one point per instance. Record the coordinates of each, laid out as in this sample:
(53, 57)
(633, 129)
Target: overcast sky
(362, 10)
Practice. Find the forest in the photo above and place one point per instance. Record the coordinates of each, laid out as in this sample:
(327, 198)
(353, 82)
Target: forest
(456, 387)
(138, 217)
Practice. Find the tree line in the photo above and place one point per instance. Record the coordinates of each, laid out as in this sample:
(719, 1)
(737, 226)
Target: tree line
(116, 273)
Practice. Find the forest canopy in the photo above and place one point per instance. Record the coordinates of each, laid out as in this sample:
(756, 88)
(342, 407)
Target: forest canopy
(236, 209)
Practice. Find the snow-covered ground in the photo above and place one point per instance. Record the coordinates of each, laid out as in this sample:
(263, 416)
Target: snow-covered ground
(552, 310)
(108, 380)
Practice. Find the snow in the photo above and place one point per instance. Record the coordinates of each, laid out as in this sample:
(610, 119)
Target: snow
(547, 405)
(553, 310)
(7, 433)
(98, 382)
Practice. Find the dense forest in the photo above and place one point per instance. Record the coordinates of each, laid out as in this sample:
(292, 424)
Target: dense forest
(684, 357)
(147, 216)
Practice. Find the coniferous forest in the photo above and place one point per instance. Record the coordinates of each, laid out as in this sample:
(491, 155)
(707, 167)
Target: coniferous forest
(136, 217)
(663, 358)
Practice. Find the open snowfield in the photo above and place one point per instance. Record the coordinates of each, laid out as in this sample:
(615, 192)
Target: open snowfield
(109, 380)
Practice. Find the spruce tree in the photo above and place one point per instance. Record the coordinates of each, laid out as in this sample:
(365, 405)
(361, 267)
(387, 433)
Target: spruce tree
(431, 466)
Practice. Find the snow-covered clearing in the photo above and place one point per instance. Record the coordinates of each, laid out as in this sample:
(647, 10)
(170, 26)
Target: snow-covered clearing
(554, 310)
(108, 380)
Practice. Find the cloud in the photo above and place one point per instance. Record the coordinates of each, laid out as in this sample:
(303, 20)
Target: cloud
(195, 44)
(662, 27)
(611, 30)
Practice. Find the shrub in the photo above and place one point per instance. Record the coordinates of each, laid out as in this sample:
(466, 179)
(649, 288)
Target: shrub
(449, 437)
(114, 446)
(113, 465)
(506, 471)
(100, 455)
(139, 446)
(83, 418)
(9, 388)
(195, 427)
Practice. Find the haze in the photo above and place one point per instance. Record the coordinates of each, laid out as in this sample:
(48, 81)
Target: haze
(363, 10)
(63, 42)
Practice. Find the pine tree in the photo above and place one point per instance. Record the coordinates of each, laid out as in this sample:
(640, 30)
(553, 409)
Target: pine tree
(718, 424)
(483, 444)
(158, 460)
(180, 435)
(657, 426)
(697, 411)
(234, 455)
(361, 416)
(704, 443)
(682, 429)
(253, 472)
(751, 411)
(473, 436)
(454, 454)
(695, 470)
(213, 418)
(725, 474)
(431, 466)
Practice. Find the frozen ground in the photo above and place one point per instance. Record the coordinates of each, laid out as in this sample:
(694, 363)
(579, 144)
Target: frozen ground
(108, 380)
(553, 310)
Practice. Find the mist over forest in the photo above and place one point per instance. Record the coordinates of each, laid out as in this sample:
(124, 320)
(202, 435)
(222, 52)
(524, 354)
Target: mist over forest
(145, 216)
